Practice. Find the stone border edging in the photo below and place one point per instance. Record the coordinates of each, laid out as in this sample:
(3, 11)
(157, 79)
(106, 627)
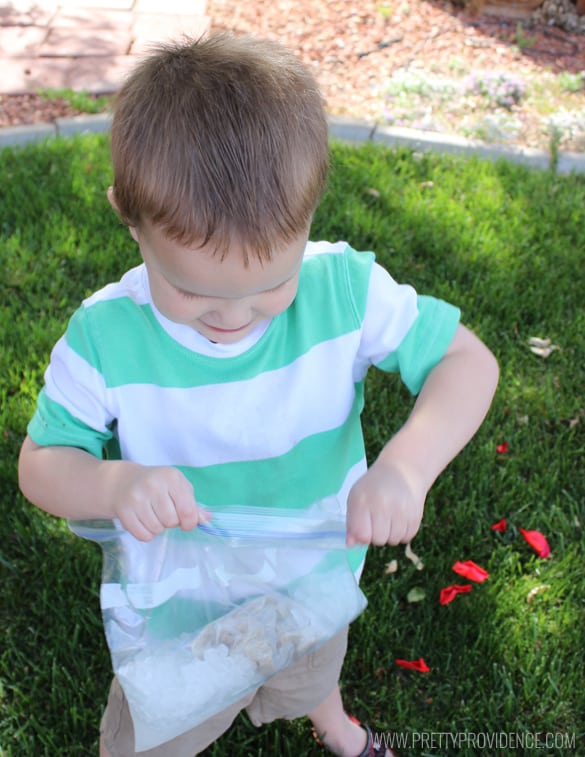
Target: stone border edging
(344, 129)
(369, 131)
(18, 136)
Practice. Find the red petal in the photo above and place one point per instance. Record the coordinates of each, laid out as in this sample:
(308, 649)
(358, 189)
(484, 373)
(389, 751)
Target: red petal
(449, 593)
(537, 541)
(470, 570)
(500, 526)
(419, 665)
(502, 448)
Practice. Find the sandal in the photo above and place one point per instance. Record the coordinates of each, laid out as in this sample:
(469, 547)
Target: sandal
(373, 747)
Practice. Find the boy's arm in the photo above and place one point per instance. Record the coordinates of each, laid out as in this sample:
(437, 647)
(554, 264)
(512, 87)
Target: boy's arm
(71, 483)
(386, 505)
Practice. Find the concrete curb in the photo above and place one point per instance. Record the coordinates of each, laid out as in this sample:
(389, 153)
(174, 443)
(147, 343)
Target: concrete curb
(424, 141)
(344, 129)
(18, 136)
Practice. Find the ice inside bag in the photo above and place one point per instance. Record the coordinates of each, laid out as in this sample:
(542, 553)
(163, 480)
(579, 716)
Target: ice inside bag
(195, 620)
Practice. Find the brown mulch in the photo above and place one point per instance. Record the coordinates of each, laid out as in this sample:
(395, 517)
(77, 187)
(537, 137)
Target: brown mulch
(354, 47)
(17, 110)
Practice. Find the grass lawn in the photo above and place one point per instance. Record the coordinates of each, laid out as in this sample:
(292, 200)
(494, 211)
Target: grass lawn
(506, 660)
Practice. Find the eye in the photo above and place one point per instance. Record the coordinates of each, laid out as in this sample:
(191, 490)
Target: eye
(188, 295)
(279, 286)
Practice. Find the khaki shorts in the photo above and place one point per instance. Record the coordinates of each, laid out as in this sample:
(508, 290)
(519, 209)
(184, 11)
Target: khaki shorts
(290, 694)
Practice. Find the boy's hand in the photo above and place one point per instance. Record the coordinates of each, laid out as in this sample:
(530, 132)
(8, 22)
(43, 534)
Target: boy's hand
(147, 500)
(71, 483)
(385, 506)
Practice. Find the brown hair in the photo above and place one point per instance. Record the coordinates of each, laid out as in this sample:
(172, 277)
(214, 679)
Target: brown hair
(220, 139)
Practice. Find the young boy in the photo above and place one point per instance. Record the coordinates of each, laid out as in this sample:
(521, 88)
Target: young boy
(229, 366)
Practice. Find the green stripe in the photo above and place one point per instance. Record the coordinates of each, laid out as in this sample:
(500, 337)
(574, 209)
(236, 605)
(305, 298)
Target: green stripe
(356, 557)
(189, 615)
(425, 344)
(53, 425)
(296, 479)
(265, 482)
(125, 342)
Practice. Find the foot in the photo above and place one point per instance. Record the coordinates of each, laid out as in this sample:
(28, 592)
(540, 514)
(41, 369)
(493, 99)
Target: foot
(353, 740)
(373, 748)
(357, 741)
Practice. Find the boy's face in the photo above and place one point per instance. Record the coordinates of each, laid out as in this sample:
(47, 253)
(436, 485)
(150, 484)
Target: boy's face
(222, 299)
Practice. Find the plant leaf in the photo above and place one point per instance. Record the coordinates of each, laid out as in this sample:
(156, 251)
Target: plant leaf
(414, 559)
(416, 594)
(541, 347)
(533, 592)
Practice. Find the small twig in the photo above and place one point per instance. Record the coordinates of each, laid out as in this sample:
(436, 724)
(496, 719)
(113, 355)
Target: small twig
(381, 46)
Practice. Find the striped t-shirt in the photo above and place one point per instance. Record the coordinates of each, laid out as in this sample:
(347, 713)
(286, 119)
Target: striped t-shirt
(272, 420)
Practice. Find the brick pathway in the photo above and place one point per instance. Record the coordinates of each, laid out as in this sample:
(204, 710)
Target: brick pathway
(85, 44)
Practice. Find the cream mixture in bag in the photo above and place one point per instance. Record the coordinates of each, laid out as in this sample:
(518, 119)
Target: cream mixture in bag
(195, 620)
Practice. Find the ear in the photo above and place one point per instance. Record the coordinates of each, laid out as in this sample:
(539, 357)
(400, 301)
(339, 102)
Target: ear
(112, 200)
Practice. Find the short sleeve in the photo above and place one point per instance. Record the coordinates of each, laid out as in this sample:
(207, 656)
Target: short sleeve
(425, 343)
(387, 311)
(53, 425)
(72, 406)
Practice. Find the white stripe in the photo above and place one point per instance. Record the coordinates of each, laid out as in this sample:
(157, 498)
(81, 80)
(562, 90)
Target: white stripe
(76, 385)
(353, 474)
(275, 411)
(197, 426)
(277, 569)
(325, 248)
(152, 594)
(390, 312)
(133, 284)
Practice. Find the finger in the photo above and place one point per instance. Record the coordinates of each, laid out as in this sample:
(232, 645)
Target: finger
(382, 519)
(397, 537)
(204, 515)
(411, 532)
(407, 527)
(150, 502)
(399, 530)
(163, 514)
(359, 524)
(134, 526)
(188, 513)
(152, 517)
(392, 529)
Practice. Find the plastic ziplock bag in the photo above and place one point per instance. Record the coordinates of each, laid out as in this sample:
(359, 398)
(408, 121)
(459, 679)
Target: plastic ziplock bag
(195, 620)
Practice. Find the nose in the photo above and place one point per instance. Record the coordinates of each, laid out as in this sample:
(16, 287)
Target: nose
(232, 314)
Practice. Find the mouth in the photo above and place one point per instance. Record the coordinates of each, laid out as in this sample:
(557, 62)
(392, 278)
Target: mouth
(217, 330)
